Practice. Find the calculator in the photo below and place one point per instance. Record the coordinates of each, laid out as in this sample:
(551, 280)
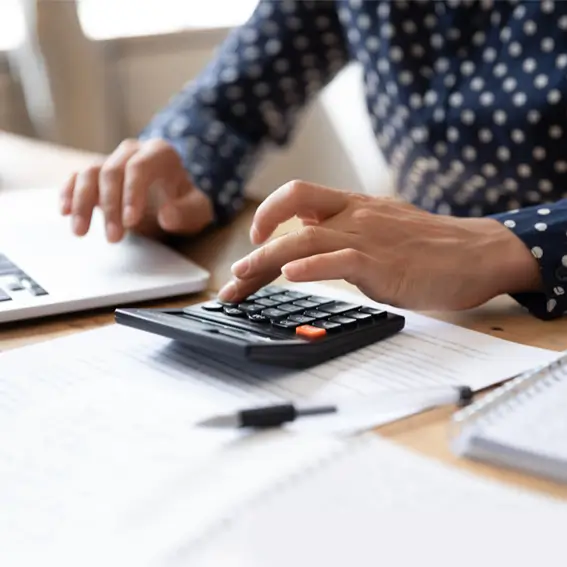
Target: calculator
(275, 326)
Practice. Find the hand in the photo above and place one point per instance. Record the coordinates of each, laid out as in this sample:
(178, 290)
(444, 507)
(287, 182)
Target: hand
(141, 186)
(392, 251)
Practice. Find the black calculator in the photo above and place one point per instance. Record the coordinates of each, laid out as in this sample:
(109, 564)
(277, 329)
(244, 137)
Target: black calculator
(276, 326)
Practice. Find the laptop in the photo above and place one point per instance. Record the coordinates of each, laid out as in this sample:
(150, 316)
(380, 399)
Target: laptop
(46, 270)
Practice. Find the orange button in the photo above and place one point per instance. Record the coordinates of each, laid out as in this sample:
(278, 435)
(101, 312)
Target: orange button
(310, 332)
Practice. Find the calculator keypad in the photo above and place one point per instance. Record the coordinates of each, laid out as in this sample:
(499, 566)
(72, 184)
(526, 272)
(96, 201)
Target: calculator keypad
(288, 310)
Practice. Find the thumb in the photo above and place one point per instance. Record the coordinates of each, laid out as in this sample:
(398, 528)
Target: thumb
(187, 214)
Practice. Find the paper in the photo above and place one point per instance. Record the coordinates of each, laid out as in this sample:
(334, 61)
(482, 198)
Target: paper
(98, 449)
(378, 504)
(427, 353)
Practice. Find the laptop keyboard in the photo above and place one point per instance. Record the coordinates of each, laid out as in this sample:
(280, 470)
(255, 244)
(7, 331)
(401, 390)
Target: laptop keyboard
(15, 284)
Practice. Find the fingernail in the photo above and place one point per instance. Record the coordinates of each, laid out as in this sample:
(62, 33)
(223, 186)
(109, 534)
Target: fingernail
(291, 270)
(254, 235)
(169, 217)
(113, 232)
(129, 217)
(64, 206)
(240, 268)
(228, 292)
(79, 226)
(287, 270)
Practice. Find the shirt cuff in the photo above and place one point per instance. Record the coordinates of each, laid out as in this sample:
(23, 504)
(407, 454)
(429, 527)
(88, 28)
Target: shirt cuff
(542, 230)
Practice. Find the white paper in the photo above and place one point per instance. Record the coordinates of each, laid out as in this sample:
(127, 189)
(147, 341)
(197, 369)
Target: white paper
(378, 504)
(532, 425)
(98, 452)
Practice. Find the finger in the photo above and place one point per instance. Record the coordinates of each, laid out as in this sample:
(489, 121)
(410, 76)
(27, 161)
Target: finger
(156, 164)
(264, 264)
(347, 264)
(111, 182)
(296, 198)
(67, 195)
(85, 198)
(187, 214)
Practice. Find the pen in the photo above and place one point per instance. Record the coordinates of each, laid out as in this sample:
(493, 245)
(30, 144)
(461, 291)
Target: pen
(279, 414)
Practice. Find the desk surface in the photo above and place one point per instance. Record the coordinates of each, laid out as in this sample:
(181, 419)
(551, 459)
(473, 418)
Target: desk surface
(25, 164)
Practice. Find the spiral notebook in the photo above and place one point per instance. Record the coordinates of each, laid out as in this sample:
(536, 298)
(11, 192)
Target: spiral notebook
(521, 425)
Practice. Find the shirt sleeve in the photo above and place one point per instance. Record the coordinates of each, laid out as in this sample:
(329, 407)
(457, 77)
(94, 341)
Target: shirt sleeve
(250, 95)
(543, 231)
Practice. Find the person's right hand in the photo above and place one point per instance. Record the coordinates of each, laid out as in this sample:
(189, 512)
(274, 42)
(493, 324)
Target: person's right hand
(141, 186)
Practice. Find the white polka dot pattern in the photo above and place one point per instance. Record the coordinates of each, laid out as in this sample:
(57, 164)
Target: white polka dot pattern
(470, 118)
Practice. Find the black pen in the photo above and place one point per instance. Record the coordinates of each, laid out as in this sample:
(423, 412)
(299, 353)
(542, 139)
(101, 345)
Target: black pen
(276, 415)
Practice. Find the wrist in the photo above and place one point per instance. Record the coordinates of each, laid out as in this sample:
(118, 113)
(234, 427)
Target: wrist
(508, 262)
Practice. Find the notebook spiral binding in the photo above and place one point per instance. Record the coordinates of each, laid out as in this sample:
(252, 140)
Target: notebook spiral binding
(509, 396)
(264, 497)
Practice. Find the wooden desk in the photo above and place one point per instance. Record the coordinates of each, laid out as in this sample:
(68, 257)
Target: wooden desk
(30, 164)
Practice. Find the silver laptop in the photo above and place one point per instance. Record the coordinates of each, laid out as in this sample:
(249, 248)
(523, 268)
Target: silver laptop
(46, 270)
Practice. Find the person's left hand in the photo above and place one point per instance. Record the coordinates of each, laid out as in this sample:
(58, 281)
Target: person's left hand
(392, 251)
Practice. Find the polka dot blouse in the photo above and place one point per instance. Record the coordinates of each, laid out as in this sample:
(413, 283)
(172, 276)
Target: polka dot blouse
(467, 99)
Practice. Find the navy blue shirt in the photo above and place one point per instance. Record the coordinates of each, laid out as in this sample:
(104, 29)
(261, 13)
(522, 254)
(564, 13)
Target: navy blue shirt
(467, 99)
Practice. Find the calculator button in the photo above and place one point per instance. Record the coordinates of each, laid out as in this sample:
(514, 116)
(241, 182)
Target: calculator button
(4, 296)
(212, 306)
(319, 300)
(290, 308)
(286, 324)
(273, 289)
(281, 298)
(360, 316)
(269, 290)
(338, 307)
(258, 318)
(317, 314)
(296, 294)
(376, 313)
(328, 325)
(346, 322)
(260, 293)
(301, 319)
(266, 302)
(274, 314)
(227, 303)
(310, 332)
(250, 307)
(244, 322)
(234, 312)
(306, 304)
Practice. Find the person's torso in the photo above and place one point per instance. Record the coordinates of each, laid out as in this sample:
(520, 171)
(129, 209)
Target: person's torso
(468, 99)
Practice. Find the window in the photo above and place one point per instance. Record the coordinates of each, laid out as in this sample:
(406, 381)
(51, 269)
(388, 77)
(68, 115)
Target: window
(12, 27)
(104, 19)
